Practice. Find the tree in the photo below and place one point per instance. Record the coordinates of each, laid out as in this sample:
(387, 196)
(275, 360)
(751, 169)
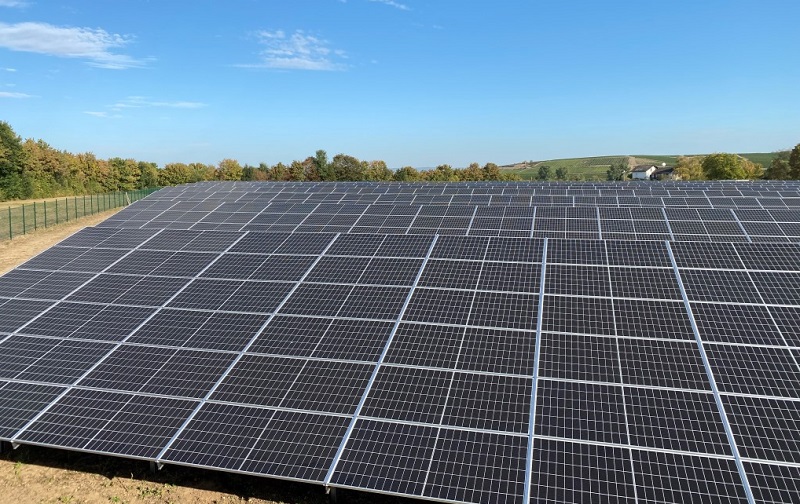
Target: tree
(778, 168)
(347, 168)
(473, 172)
(201, 172)
(95, 171)
(407, 174)
(508, 176)
(544, 173)
(617, 171)
(124, 175)
(491, 172)
(794, 162)
(690, 168)
(248, 172)
(311, 171)
(723, 166)
(278, 172)
(377, 171)
(11, 163)
(297, 171)
(175, 174)
(42, 172)
(442, 173)
(562, 173)
(262, 172)
(323, 168)
(148, 175)
(752, 170)
(229, 169)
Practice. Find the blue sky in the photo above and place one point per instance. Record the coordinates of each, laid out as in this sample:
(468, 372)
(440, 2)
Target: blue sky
(412, 82)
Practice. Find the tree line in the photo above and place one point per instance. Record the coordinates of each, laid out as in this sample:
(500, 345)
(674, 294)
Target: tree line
(723, 166)
(33, 169)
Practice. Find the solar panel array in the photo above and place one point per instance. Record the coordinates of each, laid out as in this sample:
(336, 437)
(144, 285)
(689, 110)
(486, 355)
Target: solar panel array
(450, 342)
(751, 212)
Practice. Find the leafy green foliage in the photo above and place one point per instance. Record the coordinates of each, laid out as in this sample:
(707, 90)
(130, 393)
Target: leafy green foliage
(345, 167)
(34, 169)
(229, 169)
(690, 168)
(617, 171)
(794, 162)
(148, 175)
(11, 163)
(724, 166)
(545, 173)
(473, 172)
(407, 174)
(377, 171)
(778, 168)
(491, 172)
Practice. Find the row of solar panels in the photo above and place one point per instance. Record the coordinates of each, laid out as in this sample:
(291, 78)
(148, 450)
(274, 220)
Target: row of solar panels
(717, 225)
(244, 192)
(455, 368)
(783, 188)
(466, 369)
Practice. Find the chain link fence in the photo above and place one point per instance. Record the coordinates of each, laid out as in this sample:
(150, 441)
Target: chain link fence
(23, 219)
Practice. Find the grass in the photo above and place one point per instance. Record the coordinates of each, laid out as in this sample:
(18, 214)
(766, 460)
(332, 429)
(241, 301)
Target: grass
(764, 158)
(591, 168)
(594, 168)
(656, 159)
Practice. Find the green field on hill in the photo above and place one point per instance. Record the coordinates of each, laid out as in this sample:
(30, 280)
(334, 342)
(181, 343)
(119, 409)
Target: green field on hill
(589, 168)
(594, 168)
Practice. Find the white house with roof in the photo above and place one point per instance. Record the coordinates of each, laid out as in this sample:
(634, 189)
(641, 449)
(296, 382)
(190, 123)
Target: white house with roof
(644, 172)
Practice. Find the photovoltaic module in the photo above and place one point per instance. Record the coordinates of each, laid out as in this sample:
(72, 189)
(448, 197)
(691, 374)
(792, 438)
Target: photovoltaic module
(460, 342)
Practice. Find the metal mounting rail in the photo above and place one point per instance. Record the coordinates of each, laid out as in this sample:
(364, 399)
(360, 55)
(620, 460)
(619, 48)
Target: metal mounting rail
(710, 374)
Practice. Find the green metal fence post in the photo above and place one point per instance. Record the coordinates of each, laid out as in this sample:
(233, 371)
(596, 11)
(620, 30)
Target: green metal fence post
(10, 228)
(35, 225)
(75, 204)
(24, 224)
(56, 212)
(45, 215)
(84, 205)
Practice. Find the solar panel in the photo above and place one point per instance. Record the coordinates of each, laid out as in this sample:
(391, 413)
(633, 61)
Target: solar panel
(460, 342)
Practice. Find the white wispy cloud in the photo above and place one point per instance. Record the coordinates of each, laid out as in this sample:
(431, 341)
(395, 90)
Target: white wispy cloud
(13, 3)
(98, 47)
(298, 51)
(8, 94)
(392, 3)
(133, 102)
(10, 69)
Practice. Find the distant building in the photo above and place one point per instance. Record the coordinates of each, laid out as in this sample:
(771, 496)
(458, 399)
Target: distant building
(643, 172)
(665, 173)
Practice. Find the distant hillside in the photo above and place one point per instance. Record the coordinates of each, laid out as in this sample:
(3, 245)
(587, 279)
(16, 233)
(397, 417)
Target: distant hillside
(589, 168)
(594, 168)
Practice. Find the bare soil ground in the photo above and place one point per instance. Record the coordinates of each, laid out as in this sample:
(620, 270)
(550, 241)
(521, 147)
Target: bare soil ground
(43, 476)
(38, 475)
